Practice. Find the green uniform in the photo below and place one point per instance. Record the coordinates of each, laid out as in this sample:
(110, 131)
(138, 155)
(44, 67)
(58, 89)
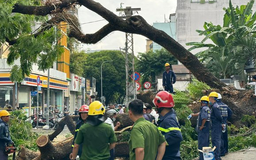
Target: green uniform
(145, 135)
(95, 141)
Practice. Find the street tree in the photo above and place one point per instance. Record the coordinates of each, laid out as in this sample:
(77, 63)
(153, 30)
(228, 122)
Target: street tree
(134, 24)
(78, 62)
(113, 74)
(58, 11)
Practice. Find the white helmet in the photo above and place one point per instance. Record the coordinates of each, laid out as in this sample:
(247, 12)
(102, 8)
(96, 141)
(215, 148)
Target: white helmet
(111, 112)
(219, 96)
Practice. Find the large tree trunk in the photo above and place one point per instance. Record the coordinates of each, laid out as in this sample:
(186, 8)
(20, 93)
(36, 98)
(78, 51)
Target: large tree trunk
(51, 152)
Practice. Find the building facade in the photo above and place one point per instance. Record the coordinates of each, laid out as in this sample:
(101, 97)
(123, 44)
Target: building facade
(168, 27)
(191, 15)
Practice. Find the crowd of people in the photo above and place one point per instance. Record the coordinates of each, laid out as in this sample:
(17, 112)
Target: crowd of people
(155, 134)
(214, 120)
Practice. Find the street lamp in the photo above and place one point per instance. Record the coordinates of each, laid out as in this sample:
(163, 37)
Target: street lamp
(101, 85)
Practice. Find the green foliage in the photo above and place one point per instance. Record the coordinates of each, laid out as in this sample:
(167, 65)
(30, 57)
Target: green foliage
(248, 120)
(241, 142)
(113, 73)
(189, 150)
(125, 136)
(151, 64)
(196, 89)
(189, 143)
(233, 43)
(20, 131)
(78, 62)
(27, 48)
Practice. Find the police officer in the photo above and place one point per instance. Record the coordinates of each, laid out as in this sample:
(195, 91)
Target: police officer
(203, 124)
(226, 114)
(169, 78)
(216, 124)
(168, 125)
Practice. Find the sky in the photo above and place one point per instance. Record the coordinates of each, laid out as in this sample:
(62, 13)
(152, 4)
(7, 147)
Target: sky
(151, 10)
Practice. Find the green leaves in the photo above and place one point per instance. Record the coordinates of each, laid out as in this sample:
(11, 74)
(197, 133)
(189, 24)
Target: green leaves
(232, 45)
(113, 73)
(21, 131)
(41, 50)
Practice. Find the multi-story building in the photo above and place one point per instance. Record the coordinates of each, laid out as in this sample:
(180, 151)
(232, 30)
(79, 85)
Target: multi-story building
(66, 89)
(191, 15)
(168, 27)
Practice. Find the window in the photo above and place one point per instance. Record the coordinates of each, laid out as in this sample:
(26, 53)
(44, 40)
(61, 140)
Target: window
(203, 1)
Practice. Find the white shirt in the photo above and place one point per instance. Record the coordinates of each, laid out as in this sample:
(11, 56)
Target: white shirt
(110, 122)
(153, 113)
(254, 84)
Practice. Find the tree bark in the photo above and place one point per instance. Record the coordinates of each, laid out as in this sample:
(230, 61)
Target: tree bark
(51, 152)
(67, 120)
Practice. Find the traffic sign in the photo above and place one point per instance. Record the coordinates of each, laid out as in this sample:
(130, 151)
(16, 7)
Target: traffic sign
(33, 93)
(147, 85)
(137, 76)
(138, 86)
(38, 80)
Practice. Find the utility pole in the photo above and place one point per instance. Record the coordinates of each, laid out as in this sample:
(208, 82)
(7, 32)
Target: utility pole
(129, 55)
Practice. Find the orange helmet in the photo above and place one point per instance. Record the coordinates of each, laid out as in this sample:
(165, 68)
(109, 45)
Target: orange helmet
(84, 108)
(163, 99)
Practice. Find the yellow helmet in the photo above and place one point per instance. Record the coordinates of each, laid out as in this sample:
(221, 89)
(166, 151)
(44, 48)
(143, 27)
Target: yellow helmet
(167, 65)
(213, 94)
(96, 108)
(204, 98)
(4, 113)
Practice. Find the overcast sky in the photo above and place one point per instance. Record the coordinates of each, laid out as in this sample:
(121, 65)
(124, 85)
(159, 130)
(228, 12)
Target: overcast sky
(151, 10)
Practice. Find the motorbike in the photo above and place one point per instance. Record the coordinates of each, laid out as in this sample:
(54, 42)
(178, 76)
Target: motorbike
(42, 121)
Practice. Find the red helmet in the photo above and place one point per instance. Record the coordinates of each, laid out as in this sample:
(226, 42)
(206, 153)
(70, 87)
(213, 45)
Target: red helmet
(84, 108)
(163, 99)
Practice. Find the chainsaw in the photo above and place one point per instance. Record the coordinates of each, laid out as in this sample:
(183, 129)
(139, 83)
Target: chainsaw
(10, 149)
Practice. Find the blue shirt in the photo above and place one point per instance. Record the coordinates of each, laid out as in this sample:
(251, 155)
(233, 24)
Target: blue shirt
(169, 78)
(205, 113)
(170, 128)
(226, 112)
(4, 134)
(216, 115)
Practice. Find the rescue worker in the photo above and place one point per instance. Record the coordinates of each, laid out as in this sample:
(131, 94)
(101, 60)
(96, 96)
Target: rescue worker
(169, 78)
(226, 114)
(216, 124)
(111, 118)
(5, 138)
(146, 142)
(97, 138)
(203, 125)
(168, 125)
(83, 114)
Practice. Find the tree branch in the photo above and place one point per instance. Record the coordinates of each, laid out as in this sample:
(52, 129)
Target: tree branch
(92, 38)
(43, 10)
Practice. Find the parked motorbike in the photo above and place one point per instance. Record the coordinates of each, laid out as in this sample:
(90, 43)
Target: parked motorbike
(42, 121)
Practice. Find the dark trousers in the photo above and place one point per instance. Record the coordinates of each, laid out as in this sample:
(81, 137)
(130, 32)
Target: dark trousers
(169, 88)
(216, 139)
(224, 142)
(3, 156)
(203, 141)
(112, 154)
